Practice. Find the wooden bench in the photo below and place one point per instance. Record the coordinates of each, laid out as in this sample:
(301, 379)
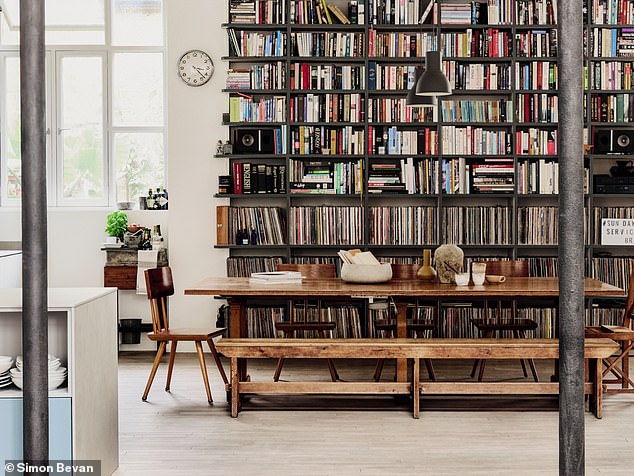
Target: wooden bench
(415, 349)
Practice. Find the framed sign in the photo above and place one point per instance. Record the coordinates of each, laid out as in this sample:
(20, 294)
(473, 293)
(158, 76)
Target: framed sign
(617, 231)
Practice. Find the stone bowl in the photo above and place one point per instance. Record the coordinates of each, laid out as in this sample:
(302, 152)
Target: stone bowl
(366, 273)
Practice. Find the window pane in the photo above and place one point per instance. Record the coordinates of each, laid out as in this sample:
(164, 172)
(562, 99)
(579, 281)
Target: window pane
(137, 89)
(139, 164)
(137, 22)
(11, 131)
(67, 22)
(82, 127)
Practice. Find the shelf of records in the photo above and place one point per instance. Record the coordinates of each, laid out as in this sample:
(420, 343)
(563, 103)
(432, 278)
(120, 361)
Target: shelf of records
(454, 318)
(615, 270)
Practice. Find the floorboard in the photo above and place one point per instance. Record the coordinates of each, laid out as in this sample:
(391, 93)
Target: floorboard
(178, 433)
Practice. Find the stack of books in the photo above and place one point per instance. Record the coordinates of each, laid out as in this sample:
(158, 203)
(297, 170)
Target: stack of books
(276, 277)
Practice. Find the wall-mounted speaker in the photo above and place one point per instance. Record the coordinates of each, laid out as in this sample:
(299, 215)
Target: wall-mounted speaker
(254, 141)
(614, 141)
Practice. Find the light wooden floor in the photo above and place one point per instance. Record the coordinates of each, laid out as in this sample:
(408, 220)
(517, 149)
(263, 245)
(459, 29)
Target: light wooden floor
(177, 433)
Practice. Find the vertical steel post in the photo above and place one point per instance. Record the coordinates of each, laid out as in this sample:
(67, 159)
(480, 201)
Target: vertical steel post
(571, 244)
(34, 245)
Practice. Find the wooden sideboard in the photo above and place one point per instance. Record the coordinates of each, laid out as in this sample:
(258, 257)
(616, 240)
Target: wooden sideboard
(121, 267)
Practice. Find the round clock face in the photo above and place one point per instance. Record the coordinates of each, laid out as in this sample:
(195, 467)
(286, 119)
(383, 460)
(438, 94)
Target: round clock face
(195, 68)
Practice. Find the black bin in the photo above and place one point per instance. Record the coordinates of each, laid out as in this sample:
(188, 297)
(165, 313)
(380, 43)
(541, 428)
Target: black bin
(130, 331)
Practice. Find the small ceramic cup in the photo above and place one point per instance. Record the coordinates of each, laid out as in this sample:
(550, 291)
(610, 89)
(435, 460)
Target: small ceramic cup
(462, 279)
(478, 271)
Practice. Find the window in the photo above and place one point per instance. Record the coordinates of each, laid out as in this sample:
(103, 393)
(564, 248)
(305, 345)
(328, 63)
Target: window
(105, 101)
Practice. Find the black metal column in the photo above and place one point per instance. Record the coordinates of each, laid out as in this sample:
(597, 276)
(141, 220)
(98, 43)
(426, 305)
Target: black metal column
(34, 245)
(571, 245)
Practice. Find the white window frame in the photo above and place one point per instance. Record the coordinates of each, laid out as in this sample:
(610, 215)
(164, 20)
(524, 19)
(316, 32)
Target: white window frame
(54, 53)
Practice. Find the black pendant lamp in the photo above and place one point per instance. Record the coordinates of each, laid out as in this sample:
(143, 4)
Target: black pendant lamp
(433, 81)
(414, 100)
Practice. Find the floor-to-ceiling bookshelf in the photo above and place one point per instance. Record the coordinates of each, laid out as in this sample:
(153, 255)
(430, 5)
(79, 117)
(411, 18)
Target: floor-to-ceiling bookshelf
(344, 163)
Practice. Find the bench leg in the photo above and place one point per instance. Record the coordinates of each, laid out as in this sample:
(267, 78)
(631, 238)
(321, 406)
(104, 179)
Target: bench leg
(235, 388)
(334, 376)
(596, 377)
(378, 370)
(278, 369)
(416, 388)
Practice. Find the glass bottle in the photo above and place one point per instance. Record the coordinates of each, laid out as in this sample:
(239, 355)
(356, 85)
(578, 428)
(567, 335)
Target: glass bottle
(150, 200)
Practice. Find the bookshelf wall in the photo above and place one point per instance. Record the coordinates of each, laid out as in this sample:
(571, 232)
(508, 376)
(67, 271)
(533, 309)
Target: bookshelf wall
(342, 162)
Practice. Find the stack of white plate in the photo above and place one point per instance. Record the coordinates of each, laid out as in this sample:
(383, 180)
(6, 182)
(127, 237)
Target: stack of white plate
(56, 374)
(5, 364)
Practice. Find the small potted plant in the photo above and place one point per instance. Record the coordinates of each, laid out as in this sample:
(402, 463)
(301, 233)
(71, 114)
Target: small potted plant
(117, 224)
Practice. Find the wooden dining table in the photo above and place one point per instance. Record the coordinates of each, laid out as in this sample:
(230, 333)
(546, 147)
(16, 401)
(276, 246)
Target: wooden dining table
(238, 291)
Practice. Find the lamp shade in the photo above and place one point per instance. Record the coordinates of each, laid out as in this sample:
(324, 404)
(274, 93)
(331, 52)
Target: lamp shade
(413, 100)
(433, 81)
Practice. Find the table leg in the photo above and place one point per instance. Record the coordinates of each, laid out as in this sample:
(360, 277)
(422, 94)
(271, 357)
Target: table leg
(416, 387)
(401, 332)
(235, 388)
(596, 377)
(238, 328)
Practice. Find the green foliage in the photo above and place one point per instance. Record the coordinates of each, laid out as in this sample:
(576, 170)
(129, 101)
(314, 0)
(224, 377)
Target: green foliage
(117, 223)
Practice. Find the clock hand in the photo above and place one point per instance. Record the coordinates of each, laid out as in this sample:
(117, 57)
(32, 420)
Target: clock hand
(199, 71)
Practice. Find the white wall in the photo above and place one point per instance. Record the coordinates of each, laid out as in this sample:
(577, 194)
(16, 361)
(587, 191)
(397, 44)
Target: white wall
(194, 126)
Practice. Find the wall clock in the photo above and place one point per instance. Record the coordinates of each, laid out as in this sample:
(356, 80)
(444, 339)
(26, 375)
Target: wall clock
(195, 68)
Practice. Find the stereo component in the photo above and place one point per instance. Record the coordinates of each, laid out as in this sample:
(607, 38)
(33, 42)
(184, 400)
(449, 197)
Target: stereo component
(614, 141)
(254, 141)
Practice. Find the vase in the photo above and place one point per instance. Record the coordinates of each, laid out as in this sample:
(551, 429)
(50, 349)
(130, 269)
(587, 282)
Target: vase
(426, 272)
(449, 260)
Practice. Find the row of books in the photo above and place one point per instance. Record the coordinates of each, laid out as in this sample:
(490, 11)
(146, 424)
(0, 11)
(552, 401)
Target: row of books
(475, 141)
(612, 42)
(537, 225)
(400, 44)
(324, 77)
(536, 12)
(414, 176)
(537, 107)
(534, 141)
(258, 76)
(476, 225)
(613, 12)
(397, 12)
(325, 177)
(390, 77)
(476, 110)
(491, 175)
(539, 176)
(397, 141)
(257, 11)
(489, 43)
(328, 44)
(612, 107)
(403, 225)
(249, 43)
(473, 76)
(325, 225)
(243, 108)
(536, 43)
(536, 75)
(455, 176)
(611, 75)
(390, 109)
(317, 12)
(253, 178)
(347, 140)
(327, 108)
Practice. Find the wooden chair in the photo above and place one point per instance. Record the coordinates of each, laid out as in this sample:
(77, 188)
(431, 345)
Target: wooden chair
(419, 327)
(517, 327)
(160, 286)
(623, 335)
(291, 328)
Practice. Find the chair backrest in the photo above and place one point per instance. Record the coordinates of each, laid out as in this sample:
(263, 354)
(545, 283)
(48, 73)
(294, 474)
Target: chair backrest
(509, 268)
(159, 285)
(404, 271)
(310, 271)
(629, 304)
